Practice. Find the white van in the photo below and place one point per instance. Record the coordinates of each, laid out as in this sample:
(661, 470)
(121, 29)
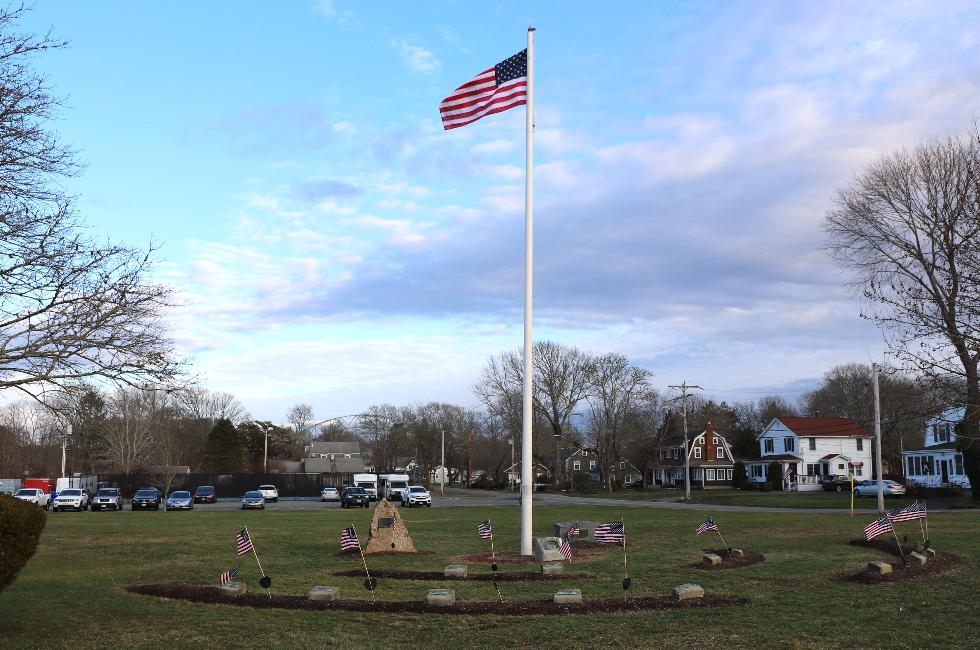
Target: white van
(392, 485)
(369, 482)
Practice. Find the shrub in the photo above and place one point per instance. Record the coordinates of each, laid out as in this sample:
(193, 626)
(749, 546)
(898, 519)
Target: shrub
(739, 475)
(774, 476)
(21, 524)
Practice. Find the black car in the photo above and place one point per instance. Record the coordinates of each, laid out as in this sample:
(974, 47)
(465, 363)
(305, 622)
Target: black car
(205, 494)
(355, 496)
(146, 499)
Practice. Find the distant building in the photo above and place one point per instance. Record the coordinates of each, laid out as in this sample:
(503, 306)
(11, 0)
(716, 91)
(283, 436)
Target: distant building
(710, 459)
(809, 449)
(938, 462)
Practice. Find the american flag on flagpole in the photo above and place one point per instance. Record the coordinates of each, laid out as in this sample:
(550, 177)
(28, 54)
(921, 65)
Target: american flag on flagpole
(910, 512)
(611, 533)
(706, 525)
(565, 549)
(879, 526)
(574, 531)
(484, 530)
(494, 90)
(243, 542)
(226, 577)
(348, 539)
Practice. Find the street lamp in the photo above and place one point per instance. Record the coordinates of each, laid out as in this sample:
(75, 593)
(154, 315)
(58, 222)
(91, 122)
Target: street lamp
(510, 474)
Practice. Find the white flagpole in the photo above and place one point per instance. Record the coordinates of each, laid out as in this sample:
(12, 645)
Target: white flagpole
(527, 480)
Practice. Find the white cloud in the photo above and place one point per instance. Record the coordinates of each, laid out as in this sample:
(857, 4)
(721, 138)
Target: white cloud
(417, 58)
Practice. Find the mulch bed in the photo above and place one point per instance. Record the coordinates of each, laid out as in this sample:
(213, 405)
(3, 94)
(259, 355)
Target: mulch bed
(748, 559)
(213, 595)
(357, 555)
(942, 563)
(509, 576)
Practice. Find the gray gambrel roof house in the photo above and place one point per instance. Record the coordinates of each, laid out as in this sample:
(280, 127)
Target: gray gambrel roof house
(320, 449)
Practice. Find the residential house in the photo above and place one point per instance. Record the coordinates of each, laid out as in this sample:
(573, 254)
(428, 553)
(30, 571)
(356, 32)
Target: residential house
(624, 472)
(937, 462)
(332, 457)
(541, 472)
(709, 456)
(582, 461)
(809, 449)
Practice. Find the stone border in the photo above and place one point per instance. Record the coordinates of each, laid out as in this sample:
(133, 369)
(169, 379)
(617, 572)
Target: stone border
(212, 595)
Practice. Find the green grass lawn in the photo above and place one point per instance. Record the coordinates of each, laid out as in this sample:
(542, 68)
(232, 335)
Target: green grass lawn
(71, 593)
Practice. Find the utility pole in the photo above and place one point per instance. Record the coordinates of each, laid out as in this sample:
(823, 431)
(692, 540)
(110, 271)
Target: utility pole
(881, 485)
(469, 459)
(687, 452)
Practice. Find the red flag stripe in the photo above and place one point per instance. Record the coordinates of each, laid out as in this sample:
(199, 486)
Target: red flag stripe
(515, 86)
(496, 106)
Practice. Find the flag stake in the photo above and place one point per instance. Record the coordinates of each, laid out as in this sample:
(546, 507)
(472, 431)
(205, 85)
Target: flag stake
(255, 553)
(626, 573)
(926, 510)
(897, 543)
(364, 562)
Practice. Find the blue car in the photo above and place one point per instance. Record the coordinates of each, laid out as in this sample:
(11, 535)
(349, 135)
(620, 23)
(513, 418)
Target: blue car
(180, 500)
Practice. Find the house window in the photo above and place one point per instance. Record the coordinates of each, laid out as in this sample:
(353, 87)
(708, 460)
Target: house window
(696, 474)
(811, 468)
(728, 472)
(813, 444)
(788, 444)
(576, 466)
(768, 445)
(959, 464)
(677, 452)
(840, 465)
(622, 464)
(709, 475)
(860, 471)
(591, 464)
(911, 469)
(860, 444)
(918, 465)
(714, 440)
(697, 452)
(720, 452)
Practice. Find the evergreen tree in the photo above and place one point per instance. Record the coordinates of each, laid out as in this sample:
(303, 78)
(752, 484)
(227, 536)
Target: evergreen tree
(225, 450)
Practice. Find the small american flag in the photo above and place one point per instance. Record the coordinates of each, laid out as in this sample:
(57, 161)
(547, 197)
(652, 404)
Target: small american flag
(226, 577)
(348, 539)
(565, 549)
(706, 525)
(484, 530)
(494, 90)
(574, 531)
(910, 512)
(879, 526)
(611, 533)
(244, 542)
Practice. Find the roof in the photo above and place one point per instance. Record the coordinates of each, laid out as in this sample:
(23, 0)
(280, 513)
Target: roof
(777, 458)
(943, 446)
(322, 447)
(825, 427)
(829, 456)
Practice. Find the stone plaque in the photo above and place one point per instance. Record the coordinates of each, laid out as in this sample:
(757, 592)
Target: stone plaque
(440, 597)
(388, 531)
(566, 596)
(324, 593)
(386, 522)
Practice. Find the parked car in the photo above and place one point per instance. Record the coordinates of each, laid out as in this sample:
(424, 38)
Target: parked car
(355, 496)
(180, 500)
(205, 494)
(270, 493)
(416, 495)
(329, 494)
(73, 498)
(146, 499)
(870, 489)
(108, 498)
(34, 495)
(836, 484)
(253, 500)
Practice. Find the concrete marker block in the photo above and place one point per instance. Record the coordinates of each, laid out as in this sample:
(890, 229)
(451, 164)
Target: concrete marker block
(711, 559)
(879, 567)
(917, 559)
(455, 571)
(440, 597)
(234, 588)
(552, 568)
(566, 596)
(324, 593)
(688, 591)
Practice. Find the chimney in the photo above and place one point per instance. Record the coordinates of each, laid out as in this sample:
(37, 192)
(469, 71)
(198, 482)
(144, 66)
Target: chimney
(816, 414)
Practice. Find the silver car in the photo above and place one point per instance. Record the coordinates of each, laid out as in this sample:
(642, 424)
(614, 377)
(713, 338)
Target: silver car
(329, 494)
(870, 489)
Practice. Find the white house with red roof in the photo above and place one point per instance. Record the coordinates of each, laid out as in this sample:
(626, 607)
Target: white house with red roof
(809, 449)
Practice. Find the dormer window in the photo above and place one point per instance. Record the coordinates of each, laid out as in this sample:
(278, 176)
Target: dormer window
(697, 452)
(720, 452)
(860, 444)
(789, 444)
(768, 444)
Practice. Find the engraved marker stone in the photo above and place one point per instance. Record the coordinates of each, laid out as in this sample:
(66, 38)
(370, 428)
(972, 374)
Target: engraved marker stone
(688, 591)
(711, 559)
(441, 597)
(879, 567)
(455, 571)
(566, 596)
(324, 593)
(234, 588)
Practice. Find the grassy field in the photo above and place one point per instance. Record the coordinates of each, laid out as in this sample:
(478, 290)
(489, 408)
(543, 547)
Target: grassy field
(755, 498)
(71, 593)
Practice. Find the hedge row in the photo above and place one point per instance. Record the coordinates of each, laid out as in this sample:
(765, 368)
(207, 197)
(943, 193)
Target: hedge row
(21, 524)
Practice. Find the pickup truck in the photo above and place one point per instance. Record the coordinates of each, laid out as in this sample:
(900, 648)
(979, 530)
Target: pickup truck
(34, 495)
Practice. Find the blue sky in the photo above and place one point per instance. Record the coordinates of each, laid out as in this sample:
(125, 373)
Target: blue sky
(331, 244)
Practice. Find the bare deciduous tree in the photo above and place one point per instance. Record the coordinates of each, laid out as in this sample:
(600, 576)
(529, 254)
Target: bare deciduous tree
(133, 430)
(908, 228)
(71, 307)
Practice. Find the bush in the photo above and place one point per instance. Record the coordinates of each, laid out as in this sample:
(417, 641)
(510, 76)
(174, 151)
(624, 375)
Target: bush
(740, 477)
(774, 476)
(21, 524)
